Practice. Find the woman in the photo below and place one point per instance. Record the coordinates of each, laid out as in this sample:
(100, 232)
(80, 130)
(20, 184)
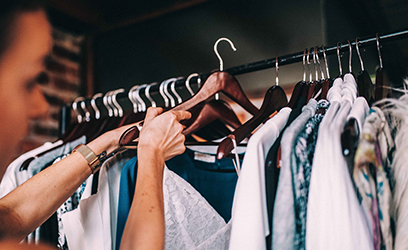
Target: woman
(25, 41)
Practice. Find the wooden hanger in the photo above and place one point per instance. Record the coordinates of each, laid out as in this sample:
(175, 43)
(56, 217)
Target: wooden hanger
(275, 99)
(217, 82)
(213, 110)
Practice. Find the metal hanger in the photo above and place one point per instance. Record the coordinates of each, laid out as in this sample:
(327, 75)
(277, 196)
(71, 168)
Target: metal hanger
(188, 82)
(167, 93)
(116, 103)
(219, 57)
(339, 59)
(147, 94)
(163, 95)
(136, 96)
(75, 108)
(350, 56)
(95, 107)
(173, 89)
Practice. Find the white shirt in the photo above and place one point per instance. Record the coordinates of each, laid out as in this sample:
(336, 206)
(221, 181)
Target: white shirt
(249, 211)
(335, 219)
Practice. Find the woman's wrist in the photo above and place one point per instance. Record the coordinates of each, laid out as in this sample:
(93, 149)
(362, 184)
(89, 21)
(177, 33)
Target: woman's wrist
(106, 142)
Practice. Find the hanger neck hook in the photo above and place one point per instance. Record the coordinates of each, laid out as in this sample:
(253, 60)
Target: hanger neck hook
(163, 95)
(338, 58)
(350, 55)
(132, 99)
(304, 66)
(318, 63)
(325, 63)
(95, 108)
(147, 94)
(379, 51)
(116, 103)
(359, 55)
(315, 63)
(142, 104)
(173, 89)
(308, 65)
(219, 57)
(105, 102)
(87, 117)
(188, 82)
(75, 108)
(277, 71)
(218, 54)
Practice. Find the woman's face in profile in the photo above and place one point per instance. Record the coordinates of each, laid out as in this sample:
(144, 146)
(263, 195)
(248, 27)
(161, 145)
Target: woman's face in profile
(21, 98)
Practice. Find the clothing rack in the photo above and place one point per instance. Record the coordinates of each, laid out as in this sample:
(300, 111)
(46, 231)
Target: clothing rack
(65, 111)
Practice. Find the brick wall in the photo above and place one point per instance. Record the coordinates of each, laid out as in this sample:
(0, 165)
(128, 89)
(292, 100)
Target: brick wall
(61, 84)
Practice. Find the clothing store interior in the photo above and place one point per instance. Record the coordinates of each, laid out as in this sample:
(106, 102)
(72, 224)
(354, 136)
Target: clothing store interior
(299, 127)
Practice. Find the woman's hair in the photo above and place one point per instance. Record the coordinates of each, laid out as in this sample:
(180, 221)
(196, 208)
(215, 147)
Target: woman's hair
(8, 11)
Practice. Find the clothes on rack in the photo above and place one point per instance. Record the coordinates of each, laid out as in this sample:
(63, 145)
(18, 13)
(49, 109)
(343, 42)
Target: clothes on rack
(213, 182)
(51, 231)
(249, 210)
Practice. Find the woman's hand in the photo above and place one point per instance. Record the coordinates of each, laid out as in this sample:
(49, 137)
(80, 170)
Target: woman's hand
(162, 133)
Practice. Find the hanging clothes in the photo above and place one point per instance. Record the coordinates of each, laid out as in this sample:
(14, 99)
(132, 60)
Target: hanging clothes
(335, 219)
(301, 166)
(371, 178)
(249, 210)
(51, 231)
(95, 217)
(213, 182)
(283, 211)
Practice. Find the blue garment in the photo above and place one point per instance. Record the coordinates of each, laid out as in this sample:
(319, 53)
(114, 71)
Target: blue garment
(215, 180)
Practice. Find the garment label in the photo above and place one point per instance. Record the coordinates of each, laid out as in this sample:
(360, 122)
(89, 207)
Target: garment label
(204, 157)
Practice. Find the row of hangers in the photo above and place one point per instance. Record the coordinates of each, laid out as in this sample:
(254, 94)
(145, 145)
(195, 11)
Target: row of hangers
(206, 109)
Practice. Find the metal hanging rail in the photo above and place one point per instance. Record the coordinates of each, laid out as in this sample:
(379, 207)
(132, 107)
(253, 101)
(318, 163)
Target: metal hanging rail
(256, 66)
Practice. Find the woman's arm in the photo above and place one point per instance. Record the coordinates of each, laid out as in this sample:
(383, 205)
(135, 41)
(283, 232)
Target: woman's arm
(145, 224)
(33, 202)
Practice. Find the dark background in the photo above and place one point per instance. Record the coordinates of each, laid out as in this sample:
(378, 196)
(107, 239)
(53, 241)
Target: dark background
(136, 42)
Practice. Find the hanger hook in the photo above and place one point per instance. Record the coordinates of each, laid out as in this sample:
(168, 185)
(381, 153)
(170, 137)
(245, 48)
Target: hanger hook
(379, 51)
(93, 104)
(277, 71)
(318, 63)
(359, 55)
(173, 89)
(350, 55)
(304, 66)
(106, 100)
(308, 65)
(142, 105)
(87, 117)
(218, 54)
(325, 63)
(134, 102)
(114, 111)
(166, 91)
(163, 95)
(75, 108)
(219, 57)
(147, 94)
(315, 63)
(338, 58)
(116, 103)
(188, 82)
